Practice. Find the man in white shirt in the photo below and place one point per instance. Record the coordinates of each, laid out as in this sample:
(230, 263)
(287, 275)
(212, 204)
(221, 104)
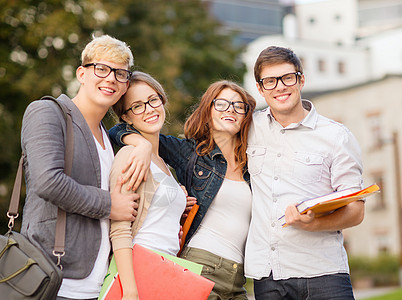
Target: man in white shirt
(296, 154)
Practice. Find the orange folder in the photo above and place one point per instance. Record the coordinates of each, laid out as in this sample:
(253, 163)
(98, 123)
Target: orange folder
(159, 278)
(187, 225)
(329, 203)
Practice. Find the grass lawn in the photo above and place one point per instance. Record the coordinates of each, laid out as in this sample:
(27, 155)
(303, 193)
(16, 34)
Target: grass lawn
(395, 295)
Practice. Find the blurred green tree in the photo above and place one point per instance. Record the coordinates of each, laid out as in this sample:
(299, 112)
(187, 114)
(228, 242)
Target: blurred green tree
(182, 46)
(177, 42)
(40, 44)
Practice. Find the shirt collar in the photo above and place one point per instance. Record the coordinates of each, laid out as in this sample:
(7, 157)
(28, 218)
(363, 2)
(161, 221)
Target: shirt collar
(309, 121)
(214, 152)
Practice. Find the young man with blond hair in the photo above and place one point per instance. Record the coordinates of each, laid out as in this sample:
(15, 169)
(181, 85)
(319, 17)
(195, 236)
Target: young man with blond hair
(104, 77)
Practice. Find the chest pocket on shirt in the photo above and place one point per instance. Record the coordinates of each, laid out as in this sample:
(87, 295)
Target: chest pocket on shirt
(201, 177)
(308, 167)
(255, 159)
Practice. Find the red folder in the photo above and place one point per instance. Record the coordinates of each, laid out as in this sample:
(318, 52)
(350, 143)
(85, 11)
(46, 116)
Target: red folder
(159, 278)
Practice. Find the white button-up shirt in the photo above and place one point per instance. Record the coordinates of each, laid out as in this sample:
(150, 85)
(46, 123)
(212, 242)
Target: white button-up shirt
(287, 165)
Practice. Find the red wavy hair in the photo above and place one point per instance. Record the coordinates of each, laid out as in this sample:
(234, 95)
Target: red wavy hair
(199, 125)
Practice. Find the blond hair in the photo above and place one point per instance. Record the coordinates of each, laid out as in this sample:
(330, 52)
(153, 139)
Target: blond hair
(108, 48)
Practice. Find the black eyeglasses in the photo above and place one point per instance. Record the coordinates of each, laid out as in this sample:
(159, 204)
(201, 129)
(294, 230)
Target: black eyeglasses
(289, 79)
(223, 105)
(139, 107)
(103, 71)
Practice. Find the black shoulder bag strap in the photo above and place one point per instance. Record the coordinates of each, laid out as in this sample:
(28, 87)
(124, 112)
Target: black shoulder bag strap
(12, 213)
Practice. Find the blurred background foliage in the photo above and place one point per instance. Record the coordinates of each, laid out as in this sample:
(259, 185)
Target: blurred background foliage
(177, 42)
(380, 271)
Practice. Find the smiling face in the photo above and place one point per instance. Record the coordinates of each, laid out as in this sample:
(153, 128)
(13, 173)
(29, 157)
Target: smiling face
(149, 122)
(227, 122)
(101, 91)
(284, 101)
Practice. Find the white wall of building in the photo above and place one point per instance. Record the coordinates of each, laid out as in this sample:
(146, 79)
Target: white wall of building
(355, 107)
(385, 52)
(379, 15)
(332, 21)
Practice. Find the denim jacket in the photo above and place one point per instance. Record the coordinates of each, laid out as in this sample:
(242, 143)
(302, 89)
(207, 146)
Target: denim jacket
(208, 174)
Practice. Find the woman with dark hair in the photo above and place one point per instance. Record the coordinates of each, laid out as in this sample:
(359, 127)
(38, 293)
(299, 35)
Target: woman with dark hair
(217, 132)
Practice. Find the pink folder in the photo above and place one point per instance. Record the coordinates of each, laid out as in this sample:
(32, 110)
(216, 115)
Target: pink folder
(161, 278)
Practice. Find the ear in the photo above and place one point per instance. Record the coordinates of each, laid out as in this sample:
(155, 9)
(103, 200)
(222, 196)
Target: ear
(126, 119)
(302, 81)
(259, 88)
(79, 73)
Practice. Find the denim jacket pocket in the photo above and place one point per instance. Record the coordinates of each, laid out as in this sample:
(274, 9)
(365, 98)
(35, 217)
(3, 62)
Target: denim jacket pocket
(201, 177)
(308, 167)
(255, 155)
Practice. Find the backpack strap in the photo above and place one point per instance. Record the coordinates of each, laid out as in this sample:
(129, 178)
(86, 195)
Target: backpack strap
(12, 213)
(69, 151)
(59, 240)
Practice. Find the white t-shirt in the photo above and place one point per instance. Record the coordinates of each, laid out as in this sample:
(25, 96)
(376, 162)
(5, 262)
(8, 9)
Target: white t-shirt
(223, 231)
(160, 230)
(90, 286)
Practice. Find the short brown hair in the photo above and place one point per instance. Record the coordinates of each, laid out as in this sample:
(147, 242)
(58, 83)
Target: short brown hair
(199, 125)
(274, 55)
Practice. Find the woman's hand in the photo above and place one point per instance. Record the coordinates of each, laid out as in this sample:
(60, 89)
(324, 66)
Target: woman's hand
(180, 234)
(189, 205)
(130, 295)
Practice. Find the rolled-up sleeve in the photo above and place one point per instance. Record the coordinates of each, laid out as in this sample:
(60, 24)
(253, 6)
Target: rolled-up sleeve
(347, 167)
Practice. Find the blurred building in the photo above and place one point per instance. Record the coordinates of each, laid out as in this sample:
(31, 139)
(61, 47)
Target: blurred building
(352, 56)
(379, 15)
(327, 37)
(372, 112)
(249, 19)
